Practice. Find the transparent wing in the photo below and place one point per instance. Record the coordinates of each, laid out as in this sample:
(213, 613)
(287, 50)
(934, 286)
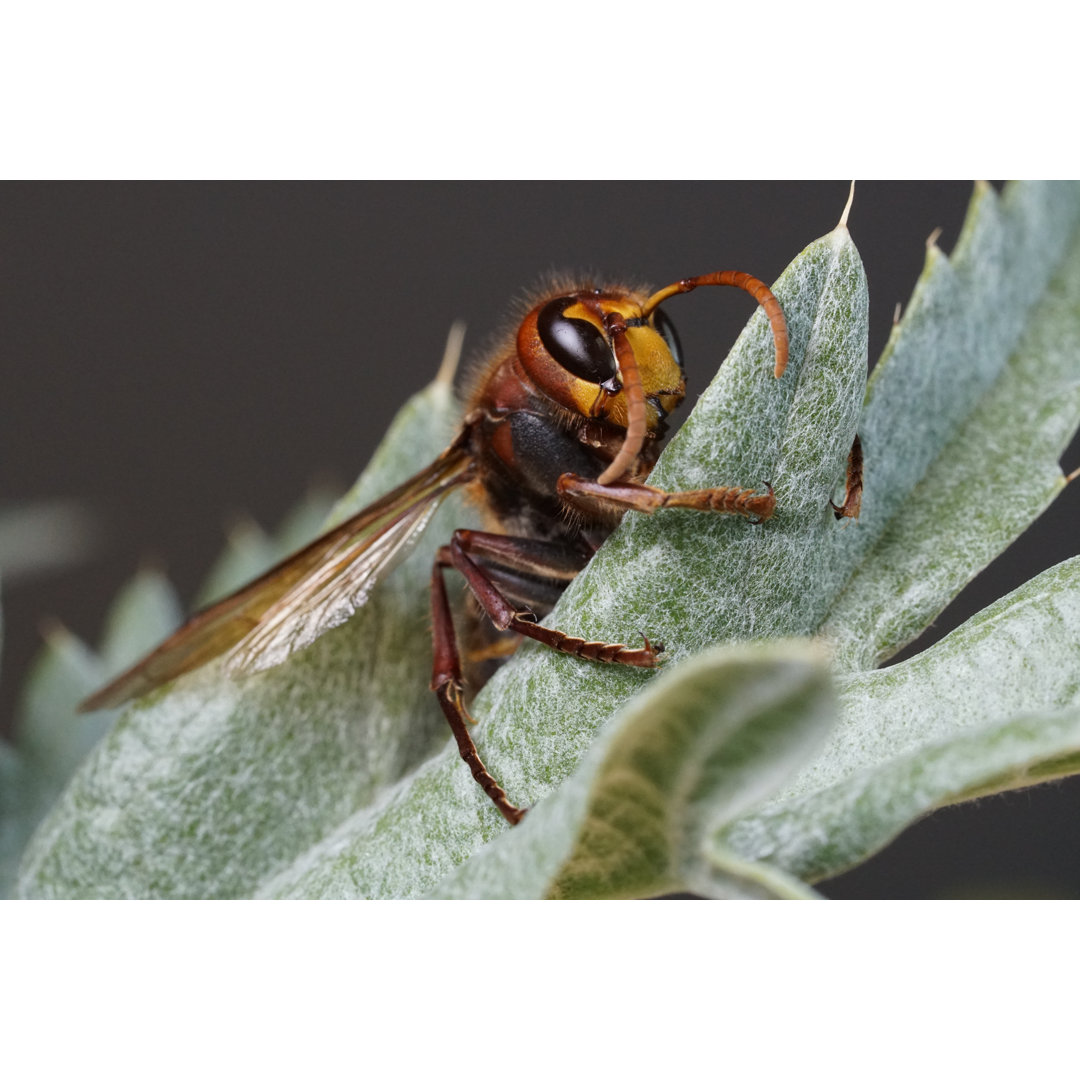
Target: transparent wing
(329, 595)
(303, 596)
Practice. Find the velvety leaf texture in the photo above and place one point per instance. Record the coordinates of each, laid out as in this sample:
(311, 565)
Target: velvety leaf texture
(699, 746)
(540, 713)
(969, 409)
(203, 789)
(994, 705)
(748, 765)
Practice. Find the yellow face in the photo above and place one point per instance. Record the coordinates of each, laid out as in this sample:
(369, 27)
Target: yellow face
(662, 378)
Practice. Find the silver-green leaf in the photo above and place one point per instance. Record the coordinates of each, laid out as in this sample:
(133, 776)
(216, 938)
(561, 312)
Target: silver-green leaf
(693, 580)
(333, 777)
(206, 787)
(994, 705)
(969, 409)
(700, 746)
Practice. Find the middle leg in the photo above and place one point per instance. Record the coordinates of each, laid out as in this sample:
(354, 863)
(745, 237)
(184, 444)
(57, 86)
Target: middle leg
(493, 565)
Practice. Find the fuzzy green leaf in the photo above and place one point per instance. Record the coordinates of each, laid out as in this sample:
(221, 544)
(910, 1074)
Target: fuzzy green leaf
(699, 746)
(544, 709)
(284, 785)
(41, 536)
(994, 705)
(48, 731)
(147, 609)
(50, 738)
(204, 788)
(972, 404)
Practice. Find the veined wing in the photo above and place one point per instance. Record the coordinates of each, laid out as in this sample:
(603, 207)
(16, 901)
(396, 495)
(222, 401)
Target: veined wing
(330, 594)
(303, 596)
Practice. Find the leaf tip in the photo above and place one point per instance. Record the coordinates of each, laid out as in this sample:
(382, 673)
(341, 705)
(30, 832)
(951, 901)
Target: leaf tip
(933, 252)
(54, 632)
(842, 223)
(451, 354)
(241, 529)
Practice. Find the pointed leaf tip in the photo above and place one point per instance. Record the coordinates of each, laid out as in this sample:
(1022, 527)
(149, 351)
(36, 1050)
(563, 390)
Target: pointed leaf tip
(842, 224)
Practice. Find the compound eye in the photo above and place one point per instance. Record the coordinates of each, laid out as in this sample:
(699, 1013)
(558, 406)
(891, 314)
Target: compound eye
(575, 344)
(666, 329)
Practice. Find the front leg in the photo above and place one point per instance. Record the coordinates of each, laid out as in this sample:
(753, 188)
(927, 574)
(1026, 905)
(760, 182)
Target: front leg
(629, 495)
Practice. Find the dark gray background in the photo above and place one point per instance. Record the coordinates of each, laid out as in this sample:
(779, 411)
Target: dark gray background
(176, 353)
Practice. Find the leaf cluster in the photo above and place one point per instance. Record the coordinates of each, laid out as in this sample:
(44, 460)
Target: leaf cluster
(773, 751)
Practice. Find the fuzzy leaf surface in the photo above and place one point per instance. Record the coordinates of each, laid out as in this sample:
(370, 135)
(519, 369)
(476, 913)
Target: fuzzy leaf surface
(994, 705)
(205, 787)
(288, 784)
(50, 738)
(701, 744)
(691, 580)
(971, 406)
(48, 731)
(39, 537)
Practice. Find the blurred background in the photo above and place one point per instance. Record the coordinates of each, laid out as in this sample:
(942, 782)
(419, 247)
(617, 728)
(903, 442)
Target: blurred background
(179, 355)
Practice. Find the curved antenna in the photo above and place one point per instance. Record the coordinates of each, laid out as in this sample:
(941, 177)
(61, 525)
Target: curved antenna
(737, 279)
(630, 378)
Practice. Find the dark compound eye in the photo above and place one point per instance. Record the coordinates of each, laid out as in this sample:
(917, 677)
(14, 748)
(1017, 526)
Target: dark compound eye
(575, 344)
(666, 329)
